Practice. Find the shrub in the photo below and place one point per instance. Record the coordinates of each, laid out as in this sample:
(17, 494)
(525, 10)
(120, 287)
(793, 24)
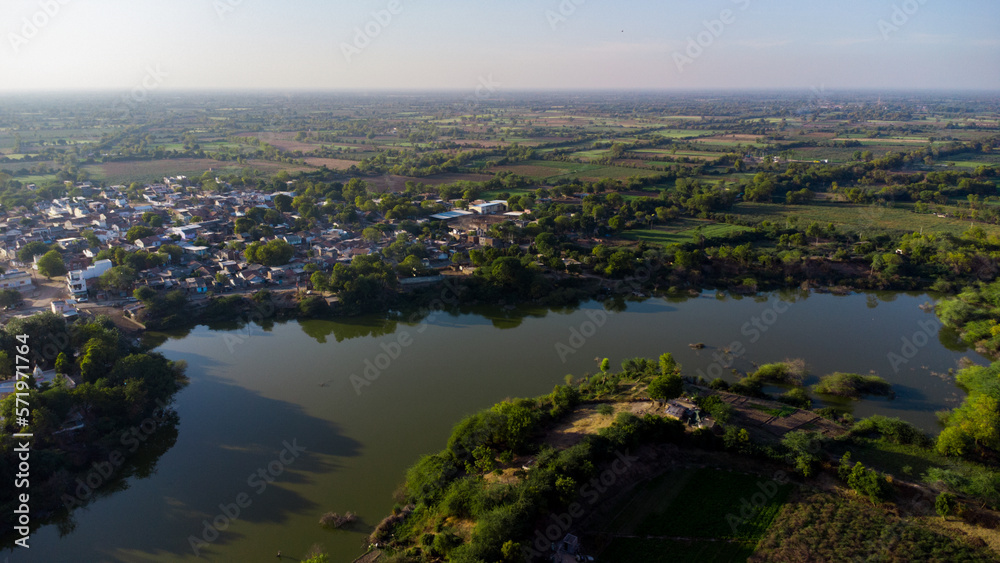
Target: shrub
(853, 385)
(789, 372)
(894, 430)
(314, 306)
(945, 504)
(796, 397)
(445, 542)
(427, 480)
(719, 384)
(624, 431)
(563, 398)
(666, 387)
(868, 483)
(334, 520)
(749, 386)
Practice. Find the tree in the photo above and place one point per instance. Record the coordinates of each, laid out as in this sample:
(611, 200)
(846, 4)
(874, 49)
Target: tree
(91, 238)
(144, 293)
(243, 225)
(137, 232)
(805, 447)
(171, 251)
(51, 265)
(64, 364)
(283, 203)
(152, 219)
(507, 272)
(945, 504)
(868, 483)
(158, 376)
(616, 223)
(668, 365)
(272, 253)
(28, 252)
(814, 230)
(119, 277)
(547, 244)
(9, 297)
(666, 387)
(952, 441)
(97, 356)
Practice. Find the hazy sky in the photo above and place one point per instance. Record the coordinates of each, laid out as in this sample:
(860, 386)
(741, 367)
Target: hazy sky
(516, 44)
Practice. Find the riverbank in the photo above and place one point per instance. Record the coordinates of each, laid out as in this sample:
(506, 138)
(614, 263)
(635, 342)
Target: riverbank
(624, 485)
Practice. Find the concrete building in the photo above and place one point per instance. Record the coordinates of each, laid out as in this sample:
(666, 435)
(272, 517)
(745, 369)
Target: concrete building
(489, 207)
(77, 279)
(15, 279)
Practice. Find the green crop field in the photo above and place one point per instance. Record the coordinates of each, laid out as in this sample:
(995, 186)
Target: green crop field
(694, 515)
(552, 170)
(684, 133)
(593, 153)
(682, 231)
(857, 218)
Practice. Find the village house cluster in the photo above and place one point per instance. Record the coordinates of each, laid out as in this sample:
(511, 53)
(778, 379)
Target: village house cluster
(202, 226)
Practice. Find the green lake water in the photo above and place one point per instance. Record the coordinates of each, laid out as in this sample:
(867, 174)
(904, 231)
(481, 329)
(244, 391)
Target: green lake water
(256, 390)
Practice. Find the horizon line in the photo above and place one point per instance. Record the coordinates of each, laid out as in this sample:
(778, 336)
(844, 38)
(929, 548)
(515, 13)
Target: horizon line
(524, 90)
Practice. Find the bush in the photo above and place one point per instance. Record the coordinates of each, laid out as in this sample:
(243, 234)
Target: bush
(894, 430)
(719, 384)
(462, 497)
(945, 504)
(624, 431)
(868, 483)
(666, 387)
(804, 448)
(975, 482)
(853, 385)
(832, 413)
(427, 480)
(749, 386)
(796, 397)
(445, 542)
(716, 408)
(788, 372)
(334, 520)
(563, 398)
(314, 306)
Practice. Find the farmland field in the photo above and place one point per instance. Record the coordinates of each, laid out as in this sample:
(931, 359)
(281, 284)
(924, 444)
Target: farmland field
(695, 515)
(682, 231)
(833, 528)
(153, 170)
(898, 217)
(332, 163)
(684, 133)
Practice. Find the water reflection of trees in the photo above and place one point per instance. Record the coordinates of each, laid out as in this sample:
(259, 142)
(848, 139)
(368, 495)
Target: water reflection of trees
(141, 465)
(346, 329)
(501, 317)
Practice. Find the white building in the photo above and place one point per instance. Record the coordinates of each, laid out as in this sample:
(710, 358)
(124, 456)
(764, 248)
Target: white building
(489, 207)
(15, 279)
(77, 279)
